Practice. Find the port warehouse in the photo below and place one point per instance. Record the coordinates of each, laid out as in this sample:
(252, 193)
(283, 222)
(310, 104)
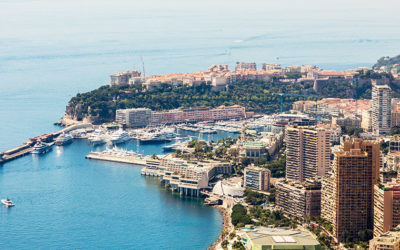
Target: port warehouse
(141, 117)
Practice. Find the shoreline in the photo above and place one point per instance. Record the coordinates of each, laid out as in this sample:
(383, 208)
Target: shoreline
(226, 226)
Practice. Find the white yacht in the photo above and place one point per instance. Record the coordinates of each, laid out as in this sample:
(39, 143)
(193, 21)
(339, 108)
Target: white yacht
(7, 202)
(63, 139)
(97, 140)
(97, 137)
(179, 145)
(120, 136)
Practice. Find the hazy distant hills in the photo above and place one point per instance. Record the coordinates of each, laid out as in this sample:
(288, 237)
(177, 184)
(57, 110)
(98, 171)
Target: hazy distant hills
(386, 63)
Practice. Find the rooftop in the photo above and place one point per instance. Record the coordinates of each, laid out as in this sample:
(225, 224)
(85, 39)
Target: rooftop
(280, 237)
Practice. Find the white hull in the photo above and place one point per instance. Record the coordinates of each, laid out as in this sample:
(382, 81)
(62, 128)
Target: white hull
(7, 203)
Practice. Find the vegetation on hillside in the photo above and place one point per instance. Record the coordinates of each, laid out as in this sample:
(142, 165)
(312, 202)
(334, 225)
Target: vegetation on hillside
(387, 62)
(254, 95)
(258, 96)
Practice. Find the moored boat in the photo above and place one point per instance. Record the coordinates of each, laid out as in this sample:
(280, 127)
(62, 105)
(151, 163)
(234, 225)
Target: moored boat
(63, 139)
(120, 136)
(41, 148)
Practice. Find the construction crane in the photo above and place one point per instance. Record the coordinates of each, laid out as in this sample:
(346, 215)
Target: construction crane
(144, 72)
(290, 94)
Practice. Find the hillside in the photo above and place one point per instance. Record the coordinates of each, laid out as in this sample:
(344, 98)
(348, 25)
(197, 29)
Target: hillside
(387, 62)
(100, 104)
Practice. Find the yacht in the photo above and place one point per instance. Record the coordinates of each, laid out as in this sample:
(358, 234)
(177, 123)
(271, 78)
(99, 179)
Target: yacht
(97, 140)
(179, 145)
(120, 136)
(63, 139)
(153, 137)
(41, 148)
(7, 202)
(97, 137)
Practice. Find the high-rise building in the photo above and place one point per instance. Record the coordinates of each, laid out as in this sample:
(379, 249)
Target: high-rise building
(347, 195)
(307, 152)
(298, 199)
(257, 178)
(381, 109)
(386, 208)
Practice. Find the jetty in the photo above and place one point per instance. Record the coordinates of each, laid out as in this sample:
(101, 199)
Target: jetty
(27, 147)
(119, 155)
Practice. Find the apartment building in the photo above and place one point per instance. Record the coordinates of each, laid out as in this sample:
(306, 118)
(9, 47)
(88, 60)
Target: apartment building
(257, 178)
(143, 116)
(298, 199)
(271, 67)
(139, 117)
(245, 66)
(198, 114)
(386, 208)
(347, 195)
(381, 109)
(307, 152)
(387, 241)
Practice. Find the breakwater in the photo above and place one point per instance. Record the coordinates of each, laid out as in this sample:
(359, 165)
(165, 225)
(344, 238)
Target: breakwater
(27, 147)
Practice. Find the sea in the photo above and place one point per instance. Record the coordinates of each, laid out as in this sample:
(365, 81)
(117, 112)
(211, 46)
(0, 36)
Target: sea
(52, 50)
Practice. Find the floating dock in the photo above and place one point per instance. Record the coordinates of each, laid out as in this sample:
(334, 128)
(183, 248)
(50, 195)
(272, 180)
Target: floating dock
(131, 159)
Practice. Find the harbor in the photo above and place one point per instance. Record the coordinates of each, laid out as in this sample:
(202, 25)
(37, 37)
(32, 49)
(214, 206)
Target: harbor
(174, 137)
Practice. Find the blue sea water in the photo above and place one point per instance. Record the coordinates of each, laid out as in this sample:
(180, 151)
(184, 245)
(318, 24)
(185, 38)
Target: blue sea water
(64, 201)
(51, 50)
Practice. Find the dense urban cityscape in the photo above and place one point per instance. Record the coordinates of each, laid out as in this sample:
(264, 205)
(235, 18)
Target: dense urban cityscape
(213, 124)
(321, 175)
(340, 181)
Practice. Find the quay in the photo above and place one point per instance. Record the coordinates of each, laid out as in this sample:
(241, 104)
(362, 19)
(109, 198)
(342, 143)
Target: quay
(27, 146)
(16, 152)
(130, 159)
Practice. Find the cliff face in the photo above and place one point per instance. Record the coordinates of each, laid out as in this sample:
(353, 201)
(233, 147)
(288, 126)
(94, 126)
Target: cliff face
(74, 111)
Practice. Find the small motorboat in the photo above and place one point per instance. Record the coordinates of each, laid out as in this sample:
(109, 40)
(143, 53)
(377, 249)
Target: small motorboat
(7, 202)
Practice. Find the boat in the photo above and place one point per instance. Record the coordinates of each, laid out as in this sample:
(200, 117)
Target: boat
(97, 140)
(7, 202)
(153, 137)
(179, 145)
(78, 134)
(97, 137)
(63, 139)
(41, 148)
(120, 136)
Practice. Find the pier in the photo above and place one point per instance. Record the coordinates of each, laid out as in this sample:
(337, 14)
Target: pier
(115, 157)
(27, 147)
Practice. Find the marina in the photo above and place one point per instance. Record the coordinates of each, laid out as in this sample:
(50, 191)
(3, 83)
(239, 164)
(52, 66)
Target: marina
(178, 134)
